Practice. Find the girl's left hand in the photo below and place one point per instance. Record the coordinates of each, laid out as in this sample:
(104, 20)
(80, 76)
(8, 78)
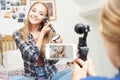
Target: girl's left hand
(59, 41)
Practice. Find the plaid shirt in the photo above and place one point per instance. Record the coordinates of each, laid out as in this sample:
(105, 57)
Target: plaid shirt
(30, 54)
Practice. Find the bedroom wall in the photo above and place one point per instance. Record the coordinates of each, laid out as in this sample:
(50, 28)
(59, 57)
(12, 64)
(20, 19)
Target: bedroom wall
(67, 17)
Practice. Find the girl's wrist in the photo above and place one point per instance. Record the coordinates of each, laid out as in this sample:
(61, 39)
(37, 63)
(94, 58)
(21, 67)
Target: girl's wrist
(41, 34)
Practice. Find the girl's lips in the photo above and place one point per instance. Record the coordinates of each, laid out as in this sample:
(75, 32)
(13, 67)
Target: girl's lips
(33, 18)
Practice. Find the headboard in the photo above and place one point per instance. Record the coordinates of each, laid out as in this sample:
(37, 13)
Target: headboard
(7, 43)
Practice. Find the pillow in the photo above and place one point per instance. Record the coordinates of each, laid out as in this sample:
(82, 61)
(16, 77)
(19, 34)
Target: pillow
(12, 60)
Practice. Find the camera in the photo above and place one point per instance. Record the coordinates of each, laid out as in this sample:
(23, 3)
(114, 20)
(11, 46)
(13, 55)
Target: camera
(81, 28)
(82, 45)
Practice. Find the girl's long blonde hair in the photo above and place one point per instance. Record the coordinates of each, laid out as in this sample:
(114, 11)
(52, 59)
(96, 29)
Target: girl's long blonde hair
(25, 30)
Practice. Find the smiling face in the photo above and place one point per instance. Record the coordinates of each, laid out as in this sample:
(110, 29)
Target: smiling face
(60, 49)
(37, 13)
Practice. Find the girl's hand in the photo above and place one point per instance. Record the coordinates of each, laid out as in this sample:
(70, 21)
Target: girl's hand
(79, 72)
(91, 68)
(58, 41)
(46, 28)
(87, 68)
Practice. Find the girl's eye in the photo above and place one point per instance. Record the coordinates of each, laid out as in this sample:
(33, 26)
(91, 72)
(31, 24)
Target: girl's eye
(33, 10)
(41, 14)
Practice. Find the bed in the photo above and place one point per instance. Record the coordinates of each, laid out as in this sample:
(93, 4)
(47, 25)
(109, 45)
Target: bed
(7, 44)
(11, 60)
(12, 63)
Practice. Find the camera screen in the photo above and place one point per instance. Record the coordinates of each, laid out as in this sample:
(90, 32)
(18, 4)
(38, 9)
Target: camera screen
(60, 51)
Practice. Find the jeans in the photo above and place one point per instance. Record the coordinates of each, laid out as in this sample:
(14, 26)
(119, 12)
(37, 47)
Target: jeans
(40, 76)
(63, 75)
(20, 78)
(41, 73)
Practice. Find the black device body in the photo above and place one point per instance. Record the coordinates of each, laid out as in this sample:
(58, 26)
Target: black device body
(82, 45)
(82, 49)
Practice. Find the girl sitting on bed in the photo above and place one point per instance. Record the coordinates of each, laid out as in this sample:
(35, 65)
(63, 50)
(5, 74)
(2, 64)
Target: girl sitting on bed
(31, 40)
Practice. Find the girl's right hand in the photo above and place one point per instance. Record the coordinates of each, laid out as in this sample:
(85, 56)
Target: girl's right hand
(46, 28)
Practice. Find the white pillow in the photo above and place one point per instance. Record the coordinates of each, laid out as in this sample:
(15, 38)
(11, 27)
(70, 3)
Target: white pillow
(12, 60)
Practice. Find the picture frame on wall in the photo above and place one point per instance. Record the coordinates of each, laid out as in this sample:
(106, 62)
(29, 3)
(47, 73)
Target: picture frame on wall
(51, 6)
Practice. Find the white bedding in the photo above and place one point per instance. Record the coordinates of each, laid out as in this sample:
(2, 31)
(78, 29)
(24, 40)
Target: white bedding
(2, 68)
(12, 60)
(13, 65)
